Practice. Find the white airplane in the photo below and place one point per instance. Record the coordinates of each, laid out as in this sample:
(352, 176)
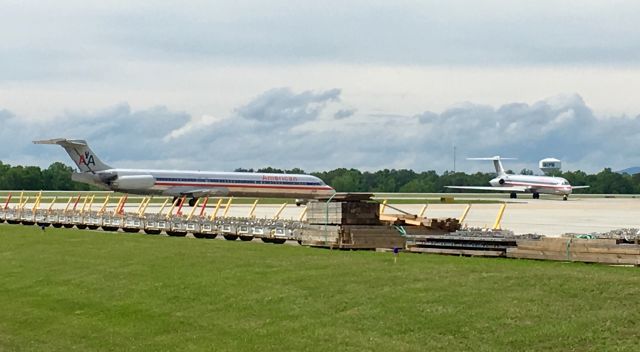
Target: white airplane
(515, 184)
(193, 184)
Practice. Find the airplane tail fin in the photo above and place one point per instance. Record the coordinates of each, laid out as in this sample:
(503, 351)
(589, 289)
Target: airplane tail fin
(80, 153)
(497, 163)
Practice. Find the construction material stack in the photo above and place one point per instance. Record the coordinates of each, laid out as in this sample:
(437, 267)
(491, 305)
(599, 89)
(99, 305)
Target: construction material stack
(352, 222)
(606, 251)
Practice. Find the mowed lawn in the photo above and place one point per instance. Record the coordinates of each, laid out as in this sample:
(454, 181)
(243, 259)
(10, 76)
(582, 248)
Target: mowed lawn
(64, 290)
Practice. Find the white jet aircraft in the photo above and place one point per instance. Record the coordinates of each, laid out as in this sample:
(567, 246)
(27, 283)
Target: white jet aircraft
(515, 184)
(193, 184)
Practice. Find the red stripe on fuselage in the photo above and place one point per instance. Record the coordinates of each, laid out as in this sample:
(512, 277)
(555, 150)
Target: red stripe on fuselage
(326, 188)
(534, 185)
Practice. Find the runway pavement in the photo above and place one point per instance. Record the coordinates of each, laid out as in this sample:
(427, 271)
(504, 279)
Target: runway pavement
(550, 217)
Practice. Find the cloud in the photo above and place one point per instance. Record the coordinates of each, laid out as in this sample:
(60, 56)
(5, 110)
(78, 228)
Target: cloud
(282, 106)
(286, 129)
(344, 113)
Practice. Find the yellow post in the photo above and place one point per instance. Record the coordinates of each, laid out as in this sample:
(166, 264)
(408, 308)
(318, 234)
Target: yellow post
(84, 204)
(383, 206)
(144, 208)
(253, 209)
(51, 204)
(422, 211)
(227, 207)
(193, 209)
(117, 209)
(67, 206)
(464, 213)
(215, 211)
(173, 205)
(26, 200)
(104, 205)
(93, 196)
(163, 205)
(144, 199)
(496, 225)
(36, 204)
(277, 216)
(302, 214)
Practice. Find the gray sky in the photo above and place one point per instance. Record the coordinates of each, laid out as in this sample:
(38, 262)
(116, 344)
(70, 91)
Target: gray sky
(325, 84)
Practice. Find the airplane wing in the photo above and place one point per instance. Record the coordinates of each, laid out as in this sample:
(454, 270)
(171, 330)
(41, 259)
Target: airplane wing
(489, 188)
(579, 187)
(206, 192)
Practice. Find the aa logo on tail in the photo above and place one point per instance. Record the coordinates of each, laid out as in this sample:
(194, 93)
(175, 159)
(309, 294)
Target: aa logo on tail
(86, 159)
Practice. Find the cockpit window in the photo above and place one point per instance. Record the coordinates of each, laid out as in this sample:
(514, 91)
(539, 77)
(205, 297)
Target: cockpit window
(565, 182)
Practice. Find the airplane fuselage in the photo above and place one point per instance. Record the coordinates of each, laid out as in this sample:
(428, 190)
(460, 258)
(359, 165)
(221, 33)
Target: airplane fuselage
(534, 184)
(207, 183)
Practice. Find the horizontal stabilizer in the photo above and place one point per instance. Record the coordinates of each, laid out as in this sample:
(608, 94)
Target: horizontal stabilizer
(62, 141)
(497, 157)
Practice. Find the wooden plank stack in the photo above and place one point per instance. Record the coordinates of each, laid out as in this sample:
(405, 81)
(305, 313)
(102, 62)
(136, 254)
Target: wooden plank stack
(352, 236)
(465, 243)
(607, 251)
(343, 213)
(348, 225)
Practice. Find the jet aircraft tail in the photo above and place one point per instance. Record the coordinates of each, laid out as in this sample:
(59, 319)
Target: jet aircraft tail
(497, 163)
(80, 153)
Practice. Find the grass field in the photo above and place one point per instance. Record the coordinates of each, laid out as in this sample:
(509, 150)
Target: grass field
(63, 290)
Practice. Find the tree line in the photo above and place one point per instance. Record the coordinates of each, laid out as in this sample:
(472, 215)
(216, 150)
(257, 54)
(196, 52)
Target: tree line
(58, 177)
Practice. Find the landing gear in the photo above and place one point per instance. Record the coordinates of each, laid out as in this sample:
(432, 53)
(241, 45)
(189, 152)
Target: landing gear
(513, 195)
(192, 201)
(536, 196)
(565, 197)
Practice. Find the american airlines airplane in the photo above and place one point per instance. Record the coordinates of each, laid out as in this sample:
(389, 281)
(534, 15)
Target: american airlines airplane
(193, 184)
(515, 184)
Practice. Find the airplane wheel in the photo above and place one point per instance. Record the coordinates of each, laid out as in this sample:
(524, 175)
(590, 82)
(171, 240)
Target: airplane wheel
(230, 237)
(513, 195)
(565, 198)
(192, 202)
(536, 196)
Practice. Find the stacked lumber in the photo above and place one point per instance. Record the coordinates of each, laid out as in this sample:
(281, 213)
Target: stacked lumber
(444, 224)
(352, 236)
(343, 213)
(466, 243)
(607, 251)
